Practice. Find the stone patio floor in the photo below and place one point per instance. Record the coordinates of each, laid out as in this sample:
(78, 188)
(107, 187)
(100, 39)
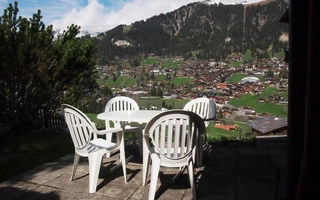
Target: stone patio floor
(233, 172)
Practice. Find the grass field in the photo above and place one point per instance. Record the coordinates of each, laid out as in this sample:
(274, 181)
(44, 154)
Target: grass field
(236, 78)
(122, 81)
(214, 134)
(252, 101)
(279, 54)
(248, 56)
(271, 91)
(172, 64)
(236, 63)
(157, 101)
(161, 77)
(219, 133)
(178, 81)
(150, 61)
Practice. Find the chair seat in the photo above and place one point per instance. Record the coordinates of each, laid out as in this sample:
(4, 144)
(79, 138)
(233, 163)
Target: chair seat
(102, 143)
(109, 130)
(129, 128)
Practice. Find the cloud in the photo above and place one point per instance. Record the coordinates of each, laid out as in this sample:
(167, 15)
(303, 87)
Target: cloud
(96, 17)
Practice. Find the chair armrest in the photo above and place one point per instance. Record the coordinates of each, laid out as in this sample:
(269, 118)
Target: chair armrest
(209, 119)
(108, 131)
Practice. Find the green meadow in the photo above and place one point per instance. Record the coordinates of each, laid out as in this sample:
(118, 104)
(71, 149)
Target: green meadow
(261, 107)
(122, 81)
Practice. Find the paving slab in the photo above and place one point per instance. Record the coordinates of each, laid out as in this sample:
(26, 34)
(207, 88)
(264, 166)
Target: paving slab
(229, 173)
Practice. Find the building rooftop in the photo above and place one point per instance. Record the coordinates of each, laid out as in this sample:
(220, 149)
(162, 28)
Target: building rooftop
(268, 124)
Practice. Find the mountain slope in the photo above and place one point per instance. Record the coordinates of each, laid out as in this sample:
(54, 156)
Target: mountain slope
(208, 31)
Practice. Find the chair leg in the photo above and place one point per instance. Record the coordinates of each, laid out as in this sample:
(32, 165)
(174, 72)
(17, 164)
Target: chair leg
(154, 177)
(94, 169)
(194, 153)
(123, 157)
(145, 162)
(140, 142)
(75, 165)
(199, 152)
(191, 178)
(145, 169)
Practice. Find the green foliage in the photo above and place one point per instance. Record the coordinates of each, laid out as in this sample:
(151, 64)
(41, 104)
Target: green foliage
(100, 124)
(38, 71)
(106, 91)
(236, 78)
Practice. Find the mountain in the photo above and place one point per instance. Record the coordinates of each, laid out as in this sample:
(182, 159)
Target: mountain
(199, 29)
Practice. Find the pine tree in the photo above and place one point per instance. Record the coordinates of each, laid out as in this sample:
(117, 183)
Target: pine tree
(38, 71)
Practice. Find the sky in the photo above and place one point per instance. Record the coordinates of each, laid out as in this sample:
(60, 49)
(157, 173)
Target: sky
(99, 15)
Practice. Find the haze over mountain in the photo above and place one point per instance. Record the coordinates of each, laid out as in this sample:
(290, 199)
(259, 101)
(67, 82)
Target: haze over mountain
(203, 29)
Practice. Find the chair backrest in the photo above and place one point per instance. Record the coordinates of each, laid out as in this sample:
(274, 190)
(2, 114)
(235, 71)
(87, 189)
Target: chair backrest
(174, 133)
(203, 106)
(120, 103)
(81, 128)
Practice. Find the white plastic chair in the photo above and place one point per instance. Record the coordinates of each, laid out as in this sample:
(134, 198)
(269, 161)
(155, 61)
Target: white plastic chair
(173, 136)
(206, 109)
(86, 143)
(122, 103)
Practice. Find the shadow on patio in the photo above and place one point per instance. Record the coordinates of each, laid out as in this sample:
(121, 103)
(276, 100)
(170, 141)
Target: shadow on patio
(255, 171)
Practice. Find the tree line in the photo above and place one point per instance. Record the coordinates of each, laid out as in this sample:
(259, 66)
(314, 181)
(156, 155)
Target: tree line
(40, 69)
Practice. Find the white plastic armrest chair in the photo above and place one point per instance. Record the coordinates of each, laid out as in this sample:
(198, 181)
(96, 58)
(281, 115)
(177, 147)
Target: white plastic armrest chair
(205, 108)
(84, 136)
(122, 103)
(171, 138)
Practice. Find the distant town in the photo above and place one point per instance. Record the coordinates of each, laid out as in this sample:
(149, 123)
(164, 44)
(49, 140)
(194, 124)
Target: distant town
(244, 88)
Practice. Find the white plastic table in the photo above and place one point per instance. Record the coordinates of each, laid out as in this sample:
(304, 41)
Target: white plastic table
(139, 116)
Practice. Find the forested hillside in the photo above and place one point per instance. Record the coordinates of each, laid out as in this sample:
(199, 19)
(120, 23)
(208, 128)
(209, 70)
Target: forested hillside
(201, 30)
